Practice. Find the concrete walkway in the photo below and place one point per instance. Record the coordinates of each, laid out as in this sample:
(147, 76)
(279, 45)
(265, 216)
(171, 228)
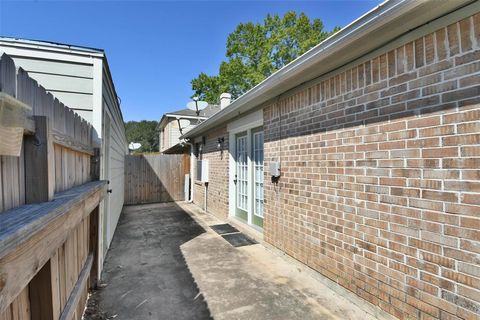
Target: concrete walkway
(165, 263)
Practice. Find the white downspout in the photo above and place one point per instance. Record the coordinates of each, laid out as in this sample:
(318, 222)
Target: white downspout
(190, 200)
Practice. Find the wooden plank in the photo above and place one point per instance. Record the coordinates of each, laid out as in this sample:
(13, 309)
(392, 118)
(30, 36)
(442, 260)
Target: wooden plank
(94, 245)
(58, 169)
(95, 165)
(40, 293)
(21, 306)
(1, 185)
(71, 143)
(70, 262)
(6, 181)
(38, 100)
(65, 168)
(55, 284)
(71, 168)
(26, 88)
(77, 291)
(8, 81)
(21, 176)
(39, 163)
(47, 104)
(7, 314)
(62, 278)
(31, 234)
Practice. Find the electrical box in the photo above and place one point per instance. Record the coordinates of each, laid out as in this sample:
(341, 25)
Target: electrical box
(275, 169)
(202, 170)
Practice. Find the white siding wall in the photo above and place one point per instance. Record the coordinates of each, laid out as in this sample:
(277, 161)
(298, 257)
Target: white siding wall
(70, 82)
(172, 133)
(118, 150)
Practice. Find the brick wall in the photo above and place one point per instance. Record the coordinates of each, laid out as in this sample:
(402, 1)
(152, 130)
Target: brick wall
(380, 187)
(217, 190)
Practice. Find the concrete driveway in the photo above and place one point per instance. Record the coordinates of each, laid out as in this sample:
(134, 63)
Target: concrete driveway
(165, 262)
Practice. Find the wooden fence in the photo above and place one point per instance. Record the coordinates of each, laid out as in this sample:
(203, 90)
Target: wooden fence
(49, 199)
(155, 178)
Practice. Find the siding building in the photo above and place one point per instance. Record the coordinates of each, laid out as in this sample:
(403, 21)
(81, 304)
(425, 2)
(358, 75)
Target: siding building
(174, 124)
(360, 159)
(80, 78)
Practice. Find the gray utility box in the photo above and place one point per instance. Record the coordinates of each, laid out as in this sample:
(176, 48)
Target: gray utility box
(275, 169)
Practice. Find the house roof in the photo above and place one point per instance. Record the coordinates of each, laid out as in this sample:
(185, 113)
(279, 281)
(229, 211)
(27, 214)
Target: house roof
(386, 22)
(210, 110)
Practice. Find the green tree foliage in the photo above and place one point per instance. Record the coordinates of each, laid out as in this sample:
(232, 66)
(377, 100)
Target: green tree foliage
(143, 132)
(256, 50)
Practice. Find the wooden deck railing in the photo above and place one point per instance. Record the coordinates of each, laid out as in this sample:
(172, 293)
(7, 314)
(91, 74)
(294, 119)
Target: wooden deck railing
(49, 202)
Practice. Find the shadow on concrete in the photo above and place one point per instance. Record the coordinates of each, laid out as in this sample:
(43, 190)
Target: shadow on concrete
(145, 275)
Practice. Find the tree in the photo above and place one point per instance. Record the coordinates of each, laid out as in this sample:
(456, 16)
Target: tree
(143, 132)
(256, 50)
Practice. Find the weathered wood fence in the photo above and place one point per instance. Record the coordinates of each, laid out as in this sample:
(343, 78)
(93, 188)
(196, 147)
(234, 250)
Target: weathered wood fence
(155, 178)
(49, 198)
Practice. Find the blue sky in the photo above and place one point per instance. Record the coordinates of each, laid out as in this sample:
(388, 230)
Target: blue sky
(155, 48)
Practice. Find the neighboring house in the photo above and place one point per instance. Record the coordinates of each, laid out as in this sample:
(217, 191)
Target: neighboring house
(375, 136)
(174, 124)
(80, 78)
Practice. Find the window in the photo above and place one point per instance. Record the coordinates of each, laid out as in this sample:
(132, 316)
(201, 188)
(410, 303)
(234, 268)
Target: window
(199, 157)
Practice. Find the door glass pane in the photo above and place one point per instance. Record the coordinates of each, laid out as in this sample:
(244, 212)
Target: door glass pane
(258, 173)
(242, 167)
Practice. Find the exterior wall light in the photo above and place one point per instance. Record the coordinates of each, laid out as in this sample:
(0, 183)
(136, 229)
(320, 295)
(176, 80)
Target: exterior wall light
(220, 143)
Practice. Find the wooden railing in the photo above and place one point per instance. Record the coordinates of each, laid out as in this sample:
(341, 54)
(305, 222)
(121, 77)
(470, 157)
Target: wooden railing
(49, 202)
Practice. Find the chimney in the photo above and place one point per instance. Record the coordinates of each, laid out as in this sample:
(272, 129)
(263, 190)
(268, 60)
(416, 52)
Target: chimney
(225, 99)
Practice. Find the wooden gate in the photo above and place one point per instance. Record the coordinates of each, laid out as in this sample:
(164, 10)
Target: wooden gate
(155, 178)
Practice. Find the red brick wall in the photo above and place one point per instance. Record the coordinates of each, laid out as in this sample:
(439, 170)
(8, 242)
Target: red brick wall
(380, 187)
(217, 189)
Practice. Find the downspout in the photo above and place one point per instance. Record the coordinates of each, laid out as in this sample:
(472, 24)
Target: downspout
(190, 200)
(205, 198)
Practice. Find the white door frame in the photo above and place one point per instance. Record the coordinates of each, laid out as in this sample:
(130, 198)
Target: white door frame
(250, 121)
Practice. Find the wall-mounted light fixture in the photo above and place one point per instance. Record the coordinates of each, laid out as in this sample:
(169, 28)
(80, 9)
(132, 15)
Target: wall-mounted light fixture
(220, 143)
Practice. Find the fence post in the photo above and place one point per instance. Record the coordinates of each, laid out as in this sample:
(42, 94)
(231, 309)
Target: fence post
(39, 163)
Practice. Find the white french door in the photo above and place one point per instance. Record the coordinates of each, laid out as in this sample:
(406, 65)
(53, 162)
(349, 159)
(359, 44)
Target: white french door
(257, 163)
(241, 178)
(248, 178)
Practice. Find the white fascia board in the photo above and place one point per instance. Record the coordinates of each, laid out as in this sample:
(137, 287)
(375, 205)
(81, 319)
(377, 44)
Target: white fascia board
(179, 116)
(51, 47)
(21, 51)
(374, 29)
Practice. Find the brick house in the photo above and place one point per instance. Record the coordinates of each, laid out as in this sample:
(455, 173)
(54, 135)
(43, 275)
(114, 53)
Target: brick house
(376, 132)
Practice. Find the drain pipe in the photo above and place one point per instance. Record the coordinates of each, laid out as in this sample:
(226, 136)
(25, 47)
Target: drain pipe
(206, 192)
(190, 200)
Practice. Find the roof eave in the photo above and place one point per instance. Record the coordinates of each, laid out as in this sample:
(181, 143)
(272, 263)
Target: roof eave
(369, 32)
(52, 46)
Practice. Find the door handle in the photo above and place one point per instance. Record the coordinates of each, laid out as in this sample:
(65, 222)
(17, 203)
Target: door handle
(235, 179)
